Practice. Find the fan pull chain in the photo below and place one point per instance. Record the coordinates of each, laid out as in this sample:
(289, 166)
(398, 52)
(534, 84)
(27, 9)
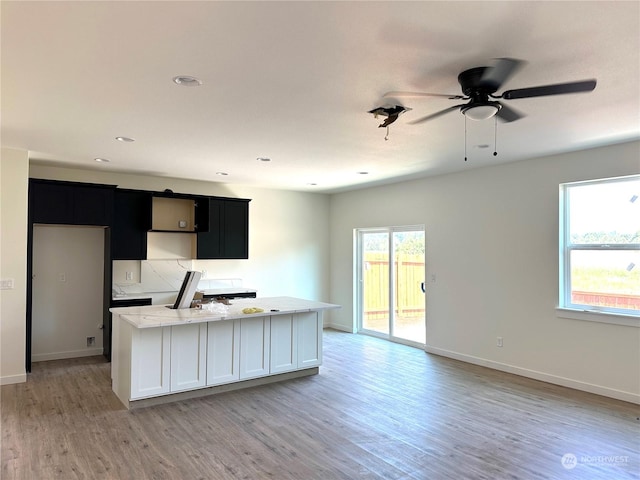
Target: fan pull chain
(495, 136)
(465, 138)
(386, 137)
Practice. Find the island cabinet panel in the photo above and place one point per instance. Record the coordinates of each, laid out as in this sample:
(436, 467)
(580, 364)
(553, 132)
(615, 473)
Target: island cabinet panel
(254, 347)
(284, 341)
(188, 356)
(150, 362)
(223, 352)
(309, 339)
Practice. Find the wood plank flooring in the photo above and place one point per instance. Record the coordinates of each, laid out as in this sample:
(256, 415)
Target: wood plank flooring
(377, 410)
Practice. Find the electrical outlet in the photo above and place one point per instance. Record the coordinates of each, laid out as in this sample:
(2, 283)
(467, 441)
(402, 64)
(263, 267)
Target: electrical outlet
(182, 224)
(128, 276)
(6, 284)
(499, 341)
(204, 274)
(62, 277)
(91, 341)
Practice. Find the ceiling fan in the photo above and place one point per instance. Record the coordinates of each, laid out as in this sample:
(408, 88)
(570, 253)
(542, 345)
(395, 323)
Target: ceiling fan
(479, 86)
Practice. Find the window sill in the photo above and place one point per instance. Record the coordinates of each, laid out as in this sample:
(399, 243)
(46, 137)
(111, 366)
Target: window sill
(601, 317)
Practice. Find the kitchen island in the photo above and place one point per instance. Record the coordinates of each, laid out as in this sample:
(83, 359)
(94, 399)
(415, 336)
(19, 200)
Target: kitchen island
(160, 354)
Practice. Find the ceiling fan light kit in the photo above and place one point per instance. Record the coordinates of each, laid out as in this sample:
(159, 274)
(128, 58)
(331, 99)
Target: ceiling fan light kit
(480, 112)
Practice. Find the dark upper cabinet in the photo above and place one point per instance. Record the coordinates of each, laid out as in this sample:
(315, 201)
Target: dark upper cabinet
(228, 235)
(202, 214)
(221, 224)
(132, 220)
(93, 205)
(69, 203)
(50, 202)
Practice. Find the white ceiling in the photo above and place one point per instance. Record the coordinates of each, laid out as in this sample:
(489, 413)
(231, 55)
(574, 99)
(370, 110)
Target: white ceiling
(293, 81)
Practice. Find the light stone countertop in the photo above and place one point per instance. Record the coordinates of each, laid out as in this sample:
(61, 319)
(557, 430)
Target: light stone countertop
(153, 316)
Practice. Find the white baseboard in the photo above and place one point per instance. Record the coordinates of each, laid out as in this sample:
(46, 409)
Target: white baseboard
(544, 377)
(11, 379)
(43, 357)
(341, 328)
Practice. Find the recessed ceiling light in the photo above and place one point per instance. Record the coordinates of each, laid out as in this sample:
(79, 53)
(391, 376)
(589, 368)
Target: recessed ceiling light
(125, 139)
(102, 160)
(363, 173)
(263, 159)
(312, 184)
(483, 145)
(222, 173)
(187, 81)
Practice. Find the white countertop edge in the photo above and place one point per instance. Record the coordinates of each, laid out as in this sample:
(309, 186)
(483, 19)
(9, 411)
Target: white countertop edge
(153, 316)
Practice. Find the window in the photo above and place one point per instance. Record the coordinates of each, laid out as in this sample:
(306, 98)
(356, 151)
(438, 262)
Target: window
(600, 246)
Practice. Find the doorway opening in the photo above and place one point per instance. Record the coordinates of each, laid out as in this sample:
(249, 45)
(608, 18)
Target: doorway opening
(69, 287)
(390, 269)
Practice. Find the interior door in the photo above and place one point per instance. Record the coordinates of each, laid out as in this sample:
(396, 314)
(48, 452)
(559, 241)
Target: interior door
(391, 270)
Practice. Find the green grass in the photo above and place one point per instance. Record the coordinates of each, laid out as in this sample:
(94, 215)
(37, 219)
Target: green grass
(607, 280)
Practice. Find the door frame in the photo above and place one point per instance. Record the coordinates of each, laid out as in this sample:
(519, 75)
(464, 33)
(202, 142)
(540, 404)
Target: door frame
(106, 295)
(359, 288)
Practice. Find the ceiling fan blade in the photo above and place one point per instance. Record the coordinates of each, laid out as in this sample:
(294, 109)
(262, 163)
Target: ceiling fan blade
(421, 94)
(435, 115)
(556, 89)
(508, 114)
(504, 68)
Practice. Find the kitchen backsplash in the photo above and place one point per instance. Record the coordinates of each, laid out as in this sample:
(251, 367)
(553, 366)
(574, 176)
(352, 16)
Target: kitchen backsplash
(133, 277)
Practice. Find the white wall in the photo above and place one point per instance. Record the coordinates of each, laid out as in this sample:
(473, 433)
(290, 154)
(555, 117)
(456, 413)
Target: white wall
(68, 277)
(14, 170)
(492, 241)
(288, 232)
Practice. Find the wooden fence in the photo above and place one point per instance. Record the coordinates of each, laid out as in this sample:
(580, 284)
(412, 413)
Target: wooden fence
(409, 275)
(613, 300)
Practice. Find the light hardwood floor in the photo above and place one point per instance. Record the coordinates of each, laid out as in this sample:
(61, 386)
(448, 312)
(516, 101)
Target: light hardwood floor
(377, 410)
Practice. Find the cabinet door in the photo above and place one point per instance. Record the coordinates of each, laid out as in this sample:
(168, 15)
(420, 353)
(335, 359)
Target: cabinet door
(210, 242)
(309, 339)
(150, 361)
(50, 203)
(65, 203)
(236, 229)
(93, 205)
(132, 221)
(202, 214)
(254, 347)
(223, 352)
(228, 235)
(284, 344)
(188, 356)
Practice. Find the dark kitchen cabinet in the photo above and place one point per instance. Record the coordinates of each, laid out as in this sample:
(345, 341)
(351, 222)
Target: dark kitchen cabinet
(132, 220)
(50, 203)
(69, 203)
(228, 235)
(93, 205)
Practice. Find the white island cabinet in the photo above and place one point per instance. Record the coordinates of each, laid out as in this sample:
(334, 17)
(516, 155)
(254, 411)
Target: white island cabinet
(160, 354)
(223, 352)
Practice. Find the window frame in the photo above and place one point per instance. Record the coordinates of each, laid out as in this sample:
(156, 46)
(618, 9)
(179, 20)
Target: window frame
(565, 307)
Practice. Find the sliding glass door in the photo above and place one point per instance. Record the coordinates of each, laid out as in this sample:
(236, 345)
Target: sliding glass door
(391, 270)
